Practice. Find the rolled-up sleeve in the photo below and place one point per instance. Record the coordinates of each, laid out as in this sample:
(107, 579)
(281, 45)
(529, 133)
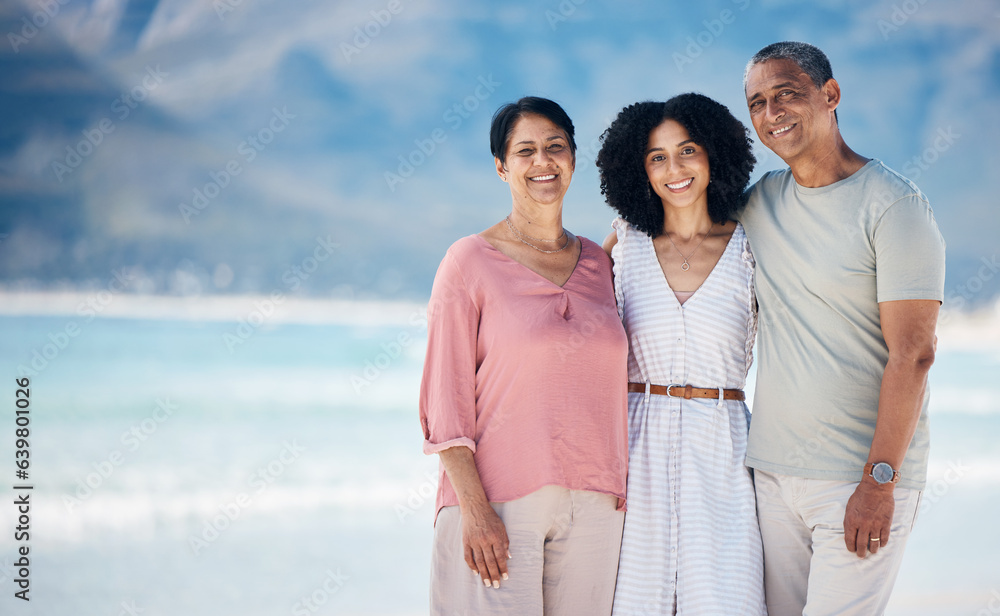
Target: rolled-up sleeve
(448, 388)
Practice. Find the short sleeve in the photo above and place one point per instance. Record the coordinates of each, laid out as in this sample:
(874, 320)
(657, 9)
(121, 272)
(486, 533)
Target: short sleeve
(448, 388)
(909, 252)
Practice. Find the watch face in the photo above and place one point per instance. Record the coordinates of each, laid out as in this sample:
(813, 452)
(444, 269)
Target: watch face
(882, 472)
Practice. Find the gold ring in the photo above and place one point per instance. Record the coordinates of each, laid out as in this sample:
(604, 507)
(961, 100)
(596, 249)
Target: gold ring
(875, 540)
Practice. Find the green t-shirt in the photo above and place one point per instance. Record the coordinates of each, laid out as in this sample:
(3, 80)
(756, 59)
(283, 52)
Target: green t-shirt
(825, 258)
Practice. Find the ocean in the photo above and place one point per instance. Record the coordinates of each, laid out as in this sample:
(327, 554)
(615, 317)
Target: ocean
(187, 466)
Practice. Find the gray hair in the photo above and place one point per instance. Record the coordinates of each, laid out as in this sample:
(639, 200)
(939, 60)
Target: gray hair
(810, 59)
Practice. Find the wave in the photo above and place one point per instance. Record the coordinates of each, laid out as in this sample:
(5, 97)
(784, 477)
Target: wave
(972, 330)
(143, 514)
(226, 308)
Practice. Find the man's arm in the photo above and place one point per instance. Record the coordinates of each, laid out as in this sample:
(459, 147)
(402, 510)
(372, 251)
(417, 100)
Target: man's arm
(908, 328)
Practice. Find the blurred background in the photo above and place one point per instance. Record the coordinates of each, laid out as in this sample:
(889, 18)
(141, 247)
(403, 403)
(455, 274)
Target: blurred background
(219, 225)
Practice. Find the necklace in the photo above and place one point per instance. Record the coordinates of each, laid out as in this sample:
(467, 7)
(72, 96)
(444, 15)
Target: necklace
(522, 236)
(686, 266)
(528, 237)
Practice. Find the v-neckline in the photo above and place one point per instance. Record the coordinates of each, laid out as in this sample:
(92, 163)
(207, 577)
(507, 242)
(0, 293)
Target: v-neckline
(694, 294)
(561, 287)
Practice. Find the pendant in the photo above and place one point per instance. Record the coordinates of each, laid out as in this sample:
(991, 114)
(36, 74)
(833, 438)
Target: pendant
(685, 266)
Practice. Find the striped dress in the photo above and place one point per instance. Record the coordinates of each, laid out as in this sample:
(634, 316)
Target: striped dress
(691, 543)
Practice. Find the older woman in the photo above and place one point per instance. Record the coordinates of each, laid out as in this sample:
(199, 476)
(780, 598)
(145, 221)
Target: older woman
(523, 395)
(675, 172)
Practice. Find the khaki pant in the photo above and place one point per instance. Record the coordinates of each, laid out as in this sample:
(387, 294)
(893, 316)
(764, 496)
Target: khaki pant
(564, 548)
(807, 568)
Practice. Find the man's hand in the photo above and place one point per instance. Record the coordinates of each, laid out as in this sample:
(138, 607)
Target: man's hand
(868, 517)
(908, 327)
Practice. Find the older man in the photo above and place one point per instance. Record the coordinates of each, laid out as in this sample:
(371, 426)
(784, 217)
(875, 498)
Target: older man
(850, 276)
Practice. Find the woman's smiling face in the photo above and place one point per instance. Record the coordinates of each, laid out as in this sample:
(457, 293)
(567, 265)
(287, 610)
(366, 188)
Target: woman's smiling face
(539, 163)
(676, 166)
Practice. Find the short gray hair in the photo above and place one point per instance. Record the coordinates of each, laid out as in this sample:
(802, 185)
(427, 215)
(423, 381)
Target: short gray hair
(810, 59)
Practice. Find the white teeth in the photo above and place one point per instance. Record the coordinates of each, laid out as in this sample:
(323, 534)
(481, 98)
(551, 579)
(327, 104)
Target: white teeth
(781, 130)
(543, 178)
(680, 185)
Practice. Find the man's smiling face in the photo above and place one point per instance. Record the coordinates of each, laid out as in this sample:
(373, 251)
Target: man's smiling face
(792, 116)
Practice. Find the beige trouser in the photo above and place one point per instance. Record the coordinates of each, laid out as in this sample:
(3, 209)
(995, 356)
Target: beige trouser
(807, 568)
(564, 548)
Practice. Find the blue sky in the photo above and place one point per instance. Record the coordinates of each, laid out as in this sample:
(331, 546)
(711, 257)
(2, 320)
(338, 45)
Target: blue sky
(290, 117)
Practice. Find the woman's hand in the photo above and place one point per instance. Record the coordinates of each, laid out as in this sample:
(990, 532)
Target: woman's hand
(484, 537)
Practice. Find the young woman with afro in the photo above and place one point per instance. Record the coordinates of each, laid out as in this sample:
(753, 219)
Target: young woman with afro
(683, 275)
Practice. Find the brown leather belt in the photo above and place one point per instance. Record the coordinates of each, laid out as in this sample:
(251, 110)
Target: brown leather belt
(687, 392)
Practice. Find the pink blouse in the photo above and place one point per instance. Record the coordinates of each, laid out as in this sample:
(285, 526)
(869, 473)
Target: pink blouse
(530, 376)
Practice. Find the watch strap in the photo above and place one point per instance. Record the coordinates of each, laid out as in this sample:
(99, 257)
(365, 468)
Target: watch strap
(871, 466)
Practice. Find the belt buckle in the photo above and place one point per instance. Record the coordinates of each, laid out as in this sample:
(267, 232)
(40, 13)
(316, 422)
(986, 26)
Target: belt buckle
(671, 386)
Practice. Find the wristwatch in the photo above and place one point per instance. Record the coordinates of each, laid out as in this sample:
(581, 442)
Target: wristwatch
(882, 473)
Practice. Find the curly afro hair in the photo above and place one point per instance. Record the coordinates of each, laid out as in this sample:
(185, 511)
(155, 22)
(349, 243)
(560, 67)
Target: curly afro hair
(621, 160)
